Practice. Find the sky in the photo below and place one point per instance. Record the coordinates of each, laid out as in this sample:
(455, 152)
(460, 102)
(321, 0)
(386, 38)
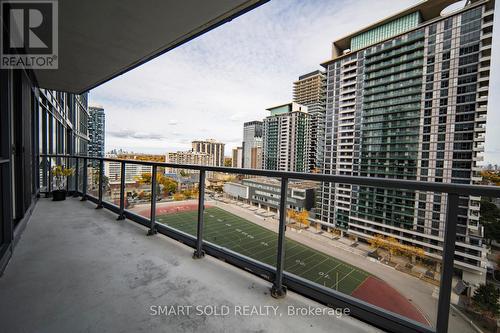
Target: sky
(210, 86)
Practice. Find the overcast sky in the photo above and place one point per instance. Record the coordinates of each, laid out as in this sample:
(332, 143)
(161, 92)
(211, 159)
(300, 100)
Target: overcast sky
(208, 87)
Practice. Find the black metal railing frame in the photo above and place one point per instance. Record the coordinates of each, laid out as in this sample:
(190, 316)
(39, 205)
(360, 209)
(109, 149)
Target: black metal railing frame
(369, 313)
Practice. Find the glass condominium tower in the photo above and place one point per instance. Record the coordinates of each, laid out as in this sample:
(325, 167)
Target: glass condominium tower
(407, 99)
(309, 90)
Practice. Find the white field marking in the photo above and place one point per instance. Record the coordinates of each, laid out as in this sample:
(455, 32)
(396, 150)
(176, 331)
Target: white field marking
(236, 241)
(272, 255)
(319, 263)
(305, 259)
(328, 272)
(300, 262)
(352, 270)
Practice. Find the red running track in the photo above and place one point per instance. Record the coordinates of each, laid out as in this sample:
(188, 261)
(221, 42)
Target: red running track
(379, 293)
(171, 209)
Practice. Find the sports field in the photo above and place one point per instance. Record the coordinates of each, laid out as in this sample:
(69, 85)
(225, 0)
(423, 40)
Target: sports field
(240, 235)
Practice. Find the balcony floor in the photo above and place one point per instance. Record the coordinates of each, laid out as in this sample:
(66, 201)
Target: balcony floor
(78, 269)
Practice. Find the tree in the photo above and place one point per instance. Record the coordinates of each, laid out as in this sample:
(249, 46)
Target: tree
(144, 178)
(291, 214)
(491, 177)
(490, 219)
(393, 246)
(179, 196)
(377, 242)
(302, 217)
(168, 183)
(486, 299)
(105, 180)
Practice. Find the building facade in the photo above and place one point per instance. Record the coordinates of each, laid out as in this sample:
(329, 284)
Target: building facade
(211, 147)
(112, 169)
(310, 90)
(237, 160)
(286, 138)
(188, 157)
(63, 120)
(252, 144)
(96, 129)
(265, 193)
(407, 99)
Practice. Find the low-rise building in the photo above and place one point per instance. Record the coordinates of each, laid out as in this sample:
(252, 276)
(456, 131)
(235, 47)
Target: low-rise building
(265, 193)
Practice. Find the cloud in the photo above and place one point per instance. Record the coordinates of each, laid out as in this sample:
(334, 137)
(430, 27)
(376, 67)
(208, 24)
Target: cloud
(130, 134)
(210, 86)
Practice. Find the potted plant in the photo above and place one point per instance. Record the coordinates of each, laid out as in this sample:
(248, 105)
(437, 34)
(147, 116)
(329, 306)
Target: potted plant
(60, 174)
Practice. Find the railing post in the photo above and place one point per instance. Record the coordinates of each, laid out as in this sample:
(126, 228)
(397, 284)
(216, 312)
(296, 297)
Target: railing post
(278, 290)
(101, 174)
(85, 178)
(199, 253)
(49, 183)
(77, 170)
(152, 215)
(450, 231)
(121, 215)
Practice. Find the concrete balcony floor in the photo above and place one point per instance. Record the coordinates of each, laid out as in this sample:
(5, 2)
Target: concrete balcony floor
(78, 269)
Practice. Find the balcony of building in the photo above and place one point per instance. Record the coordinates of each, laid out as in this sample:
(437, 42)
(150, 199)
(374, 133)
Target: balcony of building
(79, 269)
(67, 266)
(74, 259)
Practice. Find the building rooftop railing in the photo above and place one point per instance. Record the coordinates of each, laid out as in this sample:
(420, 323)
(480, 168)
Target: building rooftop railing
(281, 279)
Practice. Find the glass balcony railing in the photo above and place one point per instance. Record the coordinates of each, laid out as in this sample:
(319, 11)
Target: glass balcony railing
(266, 222)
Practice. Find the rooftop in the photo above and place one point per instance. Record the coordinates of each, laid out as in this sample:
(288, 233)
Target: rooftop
(428, 9)
(276, 182)
(313, 73)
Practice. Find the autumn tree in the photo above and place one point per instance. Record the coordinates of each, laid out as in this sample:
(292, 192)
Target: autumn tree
(302, 217)
(491, 177)
(168, 183)
(179, 196)
(394, 247)
(377, 242)
(291, 214)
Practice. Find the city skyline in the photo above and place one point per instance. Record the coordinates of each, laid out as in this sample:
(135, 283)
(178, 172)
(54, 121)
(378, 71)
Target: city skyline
(157, 89)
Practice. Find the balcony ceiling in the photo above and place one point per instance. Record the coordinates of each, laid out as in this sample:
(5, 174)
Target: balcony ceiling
(99, 40)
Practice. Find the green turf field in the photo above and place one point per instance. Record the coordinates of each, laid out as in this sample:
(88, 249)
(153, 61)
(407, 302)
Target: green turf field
(242, 236)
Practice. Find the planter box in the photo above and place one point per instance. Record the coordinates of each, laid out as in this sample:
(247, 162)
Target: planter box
(59, 195)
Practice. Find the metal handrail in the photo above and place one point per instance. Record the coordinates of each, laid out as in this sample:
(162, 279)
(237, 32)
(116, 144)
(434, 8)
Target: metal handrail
(460, 189)
(281, 280)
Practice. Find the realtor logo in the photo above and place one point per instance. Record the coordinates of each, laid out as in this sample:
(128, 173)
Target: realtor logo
(29, 34)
